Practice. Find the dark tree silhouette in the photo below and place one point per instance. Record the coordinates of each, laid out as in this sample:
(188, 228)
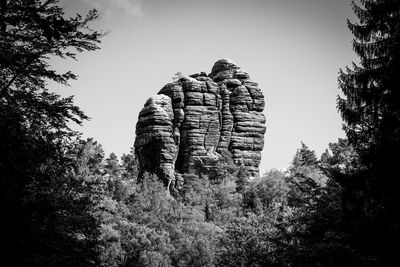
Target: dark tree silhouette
(371, 108)
(31, 32)
(371, 114)
(45, 209)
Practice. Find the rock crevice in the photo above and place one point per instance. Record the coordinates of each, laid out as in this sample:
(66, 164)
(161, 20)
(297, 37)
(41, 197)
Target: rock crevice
(194, 119)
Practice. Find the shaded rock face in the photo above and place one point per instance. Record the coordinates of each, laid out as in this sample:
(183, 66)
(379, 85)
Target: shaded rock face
(191, 122)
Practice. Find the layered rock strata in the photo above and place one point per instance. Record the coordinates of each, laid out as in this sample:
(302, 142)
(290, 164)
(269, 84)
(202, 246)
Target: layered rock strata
(191, 122)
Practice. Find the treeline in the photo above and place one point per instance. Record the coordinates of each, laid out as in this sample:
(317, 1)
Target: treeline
(99, 212)
(64, 203)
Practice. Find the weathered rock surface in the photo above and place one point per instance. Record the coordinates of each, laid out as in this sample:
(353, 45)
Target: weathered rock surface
(186, 127)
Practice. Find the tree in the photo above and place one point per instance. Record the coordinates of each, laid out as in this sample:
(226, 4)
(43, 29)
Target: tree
(130, 165)
(370, 109)
(33, 31)
(371, 113)
(267, 193)
(304, 157)
(315, 230)
(341, 158)
(46, 210)
(247, 241)
(305, 177)
(165, 232)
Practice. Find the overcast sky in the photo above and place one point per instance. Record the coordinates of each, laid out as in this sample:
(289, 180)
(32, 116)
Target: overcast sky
(292, 48)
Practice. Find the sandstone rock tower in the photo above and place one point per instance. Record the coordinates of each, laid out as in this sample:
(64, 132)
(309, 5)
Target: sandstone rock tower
(195, 119)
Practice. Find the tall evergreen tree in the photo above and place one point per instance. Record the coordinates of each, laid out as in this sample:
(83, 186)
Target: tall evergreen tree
(370, 109)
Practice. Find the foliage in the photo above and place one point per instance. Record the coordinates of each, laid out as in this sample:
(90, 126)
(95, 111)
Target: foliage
(304, 157)
(176, 234)
(308, 227)
(140, 223)
(305, 177)
(249, 238)
(371, 87)
(45, 207)
(45, 204)
(247, 241)
(267, 192)
(370, 111)
(32, 32)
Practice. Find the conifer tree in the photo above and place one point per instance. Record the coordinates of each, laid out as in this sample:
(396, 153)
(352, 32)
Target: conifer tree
(304, 157)
(370, 109)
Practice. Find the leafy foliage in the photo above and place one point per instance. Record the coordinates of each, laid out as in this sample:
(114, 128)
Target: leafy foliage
(305, 177)
(33, 31)
(46, 206)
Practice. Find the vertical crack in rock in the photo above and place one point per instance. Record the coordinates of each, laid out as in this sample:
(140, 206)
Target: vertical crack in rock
(185, 128)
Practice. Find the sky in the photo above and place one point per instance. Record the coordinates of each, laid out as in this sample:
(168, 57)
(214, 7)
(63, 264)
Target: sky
(292, 48)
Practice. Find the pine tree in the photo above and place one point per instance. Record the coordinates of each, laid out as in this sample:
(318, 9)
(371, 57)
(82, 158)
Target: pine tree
(304, 157)
(370, 109)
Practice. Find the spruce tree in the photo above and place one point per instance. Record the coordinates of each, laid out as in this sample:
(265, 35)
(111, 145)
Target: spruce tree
(370, 110)
(371, 106)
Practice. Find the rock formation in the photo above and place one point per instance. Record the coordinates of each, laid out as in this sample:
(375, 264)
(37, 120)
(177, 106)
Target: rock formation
(192, 121)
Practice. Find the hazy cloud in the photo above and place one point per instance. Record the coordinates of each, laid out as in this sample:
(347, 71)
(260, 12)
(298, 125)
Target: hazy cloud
(129, 7)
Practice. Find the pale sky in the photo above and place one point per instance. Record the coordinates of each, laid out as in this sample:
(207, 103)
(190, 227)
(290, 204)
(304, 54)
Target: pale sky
(292, 48)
